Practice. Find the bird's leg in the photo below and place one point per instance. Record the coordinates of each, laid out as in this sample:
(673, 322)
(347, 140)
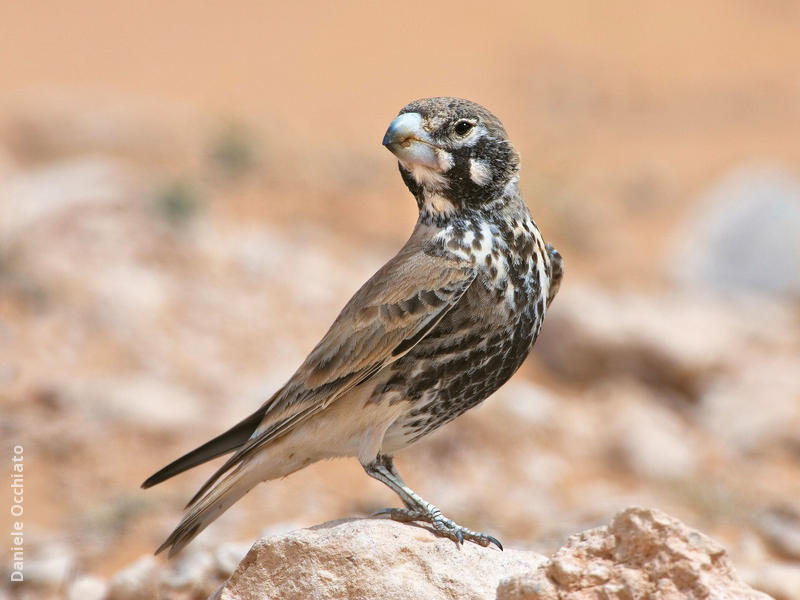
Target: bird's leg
(417, 509)
(388, 462)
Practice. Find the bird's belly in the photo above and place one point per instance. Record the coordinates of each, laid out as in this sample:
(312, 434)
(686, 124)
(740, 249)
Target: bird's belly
(453, 369)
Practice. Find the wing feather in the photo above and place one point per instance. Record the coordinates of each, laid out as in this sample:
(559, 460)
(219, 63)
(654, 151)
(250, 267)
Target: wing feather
(391, 313)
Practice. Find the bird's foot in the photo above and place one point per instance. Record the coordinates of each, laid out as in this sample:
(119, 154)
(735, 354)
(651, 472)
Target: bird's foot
(441, 524)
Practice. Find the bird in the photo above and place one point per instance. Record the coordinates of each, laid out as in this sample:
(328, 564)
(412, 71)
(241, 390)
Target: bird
(434, 332)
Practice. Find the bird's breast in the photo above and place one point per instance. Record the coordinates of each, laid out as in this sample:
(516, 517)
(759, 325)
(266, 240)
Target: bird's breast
(510, 257)
(483, 340)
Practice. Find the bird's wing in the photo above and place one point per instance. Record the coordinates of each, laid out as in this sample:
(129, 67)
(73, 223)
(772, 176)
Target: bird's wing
(392, 312)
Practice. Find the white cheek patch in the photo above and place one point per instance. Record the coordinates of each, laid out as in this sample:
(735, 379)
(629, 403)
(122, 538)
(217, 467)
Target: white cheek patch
(445, 159)
(479, 171)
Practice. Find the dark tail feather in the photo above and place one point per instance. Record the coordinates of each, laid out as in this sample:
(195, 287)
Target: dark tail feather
(222, 444)
(235, 485)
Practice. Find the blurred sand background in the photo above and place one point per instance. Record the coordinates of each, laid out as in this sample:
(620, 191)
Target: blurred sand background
(189, 192)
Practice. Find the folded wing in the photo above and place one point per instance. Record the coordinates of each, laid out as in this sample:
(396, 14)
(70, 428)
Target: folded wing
(394, 310)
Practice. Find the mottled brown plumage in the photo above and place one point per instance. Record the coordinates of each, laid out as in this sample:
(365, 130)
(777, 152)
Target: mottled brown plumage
(434, 332)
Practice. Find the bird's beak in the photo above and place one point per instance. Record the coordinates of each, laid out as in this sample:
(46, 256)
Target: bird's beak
(410, 143)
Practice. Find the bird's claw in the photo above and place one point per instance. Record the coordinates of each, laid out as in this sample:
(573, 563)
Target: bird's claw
(441, 524)
(495, 541)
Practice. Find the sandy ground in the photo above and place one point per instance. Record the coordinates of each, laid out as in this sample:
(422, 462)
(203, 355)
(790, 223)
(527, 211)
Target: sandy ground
(190, 192)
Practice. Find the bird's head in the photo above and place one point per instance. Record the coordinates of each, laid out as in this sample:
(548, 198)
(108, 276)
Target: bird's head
(454, 155)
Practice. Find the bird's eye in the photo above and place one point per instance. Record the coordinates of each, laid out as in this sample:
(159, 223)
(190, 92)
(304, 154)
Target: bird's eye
(463, 127)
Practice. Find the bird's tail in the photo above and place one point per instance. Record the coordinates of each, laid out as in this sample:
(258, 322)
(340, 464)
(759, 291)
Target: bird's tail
(203, 511)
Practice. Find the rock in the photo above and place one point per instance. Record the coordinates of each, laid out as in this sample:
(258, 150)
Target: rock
(743, 235)
(57, 189)
(678, 342)
(781, 528)
(229, 555)
(650, 439)
(87, 587)
(522, 401)
(50, 566)
(592, 335)
(192, 571)
(642, 553)
(138, 581)
(729, 413)
(780, 580)
(371, 558)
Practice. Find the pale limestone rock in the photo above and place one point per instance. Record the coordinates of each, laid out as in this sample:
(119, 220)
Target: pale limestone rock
(361, 559)
(677, 342)
(138, 581)
(642, 553)
(780, 526)
(741, 236)
(53, 190)
(727, 410)
(87, 587)
(229, 555)
(780, 580)
(650, 439)
(192, 571)
(50, 565)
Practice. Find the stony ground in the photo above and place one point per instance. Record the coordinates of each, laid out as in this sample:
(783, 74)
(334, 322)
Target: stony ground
(641, 553)
(163, 269)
